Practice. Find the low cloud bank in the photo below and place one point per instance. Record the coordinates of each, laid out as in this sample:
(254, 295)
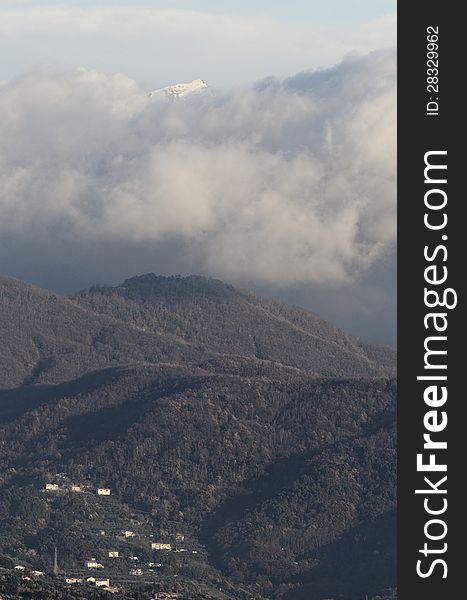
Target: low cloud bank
(286, 182)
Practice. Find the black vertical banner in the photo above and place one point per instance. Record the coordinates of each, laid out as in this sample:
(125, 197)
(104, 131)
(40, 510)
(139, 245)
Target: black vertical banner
(432, 484)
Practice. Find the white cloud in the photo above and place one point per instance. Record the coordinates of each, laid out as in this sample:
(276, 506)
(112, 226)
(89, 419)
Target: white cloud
(284, 182)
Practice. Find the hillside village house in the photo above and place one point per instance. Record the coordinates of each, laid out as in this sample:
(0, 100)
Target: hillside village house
(103, 582)
(159, 546)
(128, 534)
(113, 553)
(51, 487)
(76, 488)
(103, 492)
(93, 564)
(72, 580)
(37, 573)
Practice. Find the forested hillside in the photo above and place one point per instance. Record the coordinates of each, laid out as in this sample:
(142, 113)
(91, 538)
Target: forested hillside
(253, 438)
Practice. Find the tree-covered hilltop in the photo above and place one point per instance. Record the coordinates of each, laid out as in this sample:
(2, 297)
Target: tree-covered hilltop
(209, 314)
(47, 338)
(268, 465)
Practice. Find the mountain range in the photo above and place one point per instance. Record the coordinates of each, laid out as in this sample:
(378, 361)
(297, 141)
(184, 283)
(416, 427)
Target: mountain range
(255, 438)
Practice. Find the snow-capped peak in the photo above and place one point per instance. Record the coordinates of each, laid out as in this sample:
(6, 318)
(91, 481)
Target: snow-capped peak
(180, 89)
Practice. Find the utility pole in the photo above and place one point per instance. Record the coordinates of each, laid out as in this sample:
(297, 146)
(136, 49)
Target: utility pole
(55, 562)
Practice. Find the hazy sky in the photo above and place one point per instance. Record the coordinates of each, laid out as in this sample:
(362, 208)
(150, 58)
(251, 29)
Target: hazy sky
(225, 42)
(281, 178)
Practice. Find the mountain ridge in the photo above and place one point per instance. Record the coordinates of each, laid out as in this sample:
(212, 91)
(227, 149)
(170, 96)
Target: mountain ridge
(211, 294)
(171, 319)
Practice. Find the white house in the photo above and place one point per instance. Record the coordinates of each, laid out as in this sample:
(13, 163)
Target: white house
(52, 487)
(160, 546)
(128, 534)
(113, 553)
(103, 582)
(93, 564)
(103, 492)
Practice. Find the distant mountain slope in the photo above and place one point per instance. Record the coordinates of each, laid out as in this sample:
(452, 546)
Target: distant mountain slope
(210, 314)
(47, 338)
